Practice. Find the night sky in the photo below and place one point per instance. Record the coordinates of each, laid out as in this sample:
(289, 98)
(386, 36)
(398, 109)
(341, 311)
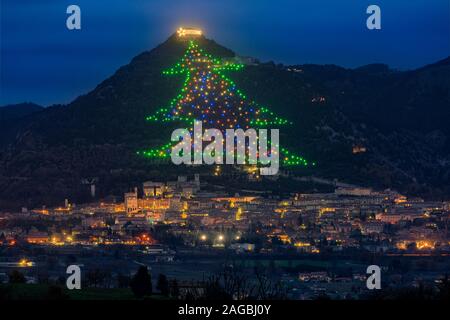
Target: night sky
(43, 62)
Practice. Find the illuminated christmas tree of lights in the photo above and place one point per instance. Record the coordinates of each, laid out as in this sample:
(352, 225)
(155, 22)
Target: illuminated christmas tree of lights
(209, 96)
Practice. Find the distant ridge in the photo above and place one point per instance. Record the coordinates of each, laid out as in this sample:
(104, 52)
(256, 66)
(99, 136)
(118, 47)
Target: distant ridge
(15, 111)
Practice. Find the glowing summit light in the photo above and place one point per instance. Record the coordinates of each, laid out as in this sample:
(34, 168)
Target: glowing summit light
(210, 97)
(183, 32)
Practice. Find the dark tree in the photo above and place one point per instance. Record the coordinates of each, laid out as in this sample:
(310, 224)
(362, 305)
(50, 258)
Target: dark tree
(444, 289)
(2, 238)
(163, 285)
(214, 290)
(96, 278)
(141, 283)
(16, 277)
(56, 293)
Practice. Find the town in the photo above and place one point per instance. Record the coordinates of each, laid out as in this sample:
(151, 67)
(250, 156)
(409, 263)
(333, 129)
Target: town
(188, 229)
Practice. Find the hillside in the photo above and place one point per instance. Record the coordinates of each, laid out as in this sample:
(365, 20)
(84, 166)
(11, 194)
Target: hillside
(399, 117)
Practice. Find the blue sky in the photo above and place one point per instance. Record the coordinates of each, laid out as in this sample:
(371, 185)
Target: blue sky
(43, 62)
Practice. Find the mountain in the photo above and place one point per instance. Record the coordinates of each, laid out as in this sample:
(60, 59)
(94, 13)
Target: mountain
(398, 117)
(12, 115)
(16, 111)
